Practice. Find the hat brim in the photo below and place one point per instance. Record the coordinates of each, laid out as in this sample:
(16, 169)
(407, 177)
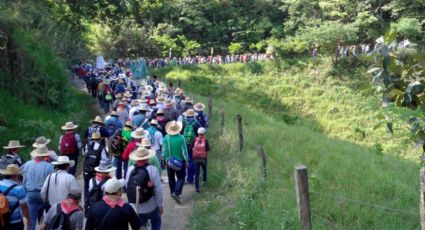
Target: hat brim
(71, 163)
(134, 157)
(99, 122)
(14, 147)
(111, 169)
(173, 132)
(9, 173)
(69, 128)
(34, 153)
(199, 107)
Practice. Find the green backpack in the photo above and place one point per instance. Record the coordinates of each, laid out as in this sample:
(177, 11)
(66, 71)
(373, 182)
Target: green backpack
(189, 132)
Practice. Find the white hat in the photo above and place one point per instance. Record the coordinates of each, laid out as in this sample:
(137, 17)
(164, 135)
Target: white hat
(113, 185)
(105, 166)
(69, 126)
(139, 133)
(142, 153)
(41, 151)
(63, 160)
(202, 130)
(13, 145)
(40, 141)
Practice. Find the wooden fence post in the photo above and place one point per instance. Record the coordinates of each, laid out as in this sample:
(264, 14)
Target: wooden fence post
(262, 155)
(241, 143)
(222, 121)
(303, 199)
(209, 106)
(422, 198)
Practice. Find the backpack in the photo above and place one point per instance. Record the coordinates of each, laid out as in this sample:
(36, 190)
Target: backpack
(140, 178)
(5, 211)
(92, 158)
(95, 194)
(199, 148)
(112, 126)
(117, 146)
(168, 114)
(61, 220)
(201, 119)
(6, 160)
(189, 131)
(68, 144)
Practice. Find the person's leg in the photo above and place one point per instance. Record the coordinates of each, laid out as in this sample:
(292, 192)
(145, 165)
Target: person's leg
(117, 162)
(125, 162)
(144, 219)
(155, 217)
(171, 180)
(197, 166)
(16, 226)
(73, 169)
(190, 168)
(180, 180)
(86, 187)
(34, 203)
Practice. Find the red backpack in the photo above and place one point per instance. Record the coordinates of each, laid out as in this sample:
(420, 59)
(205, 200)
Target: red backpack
(68, 144)
(199, 148)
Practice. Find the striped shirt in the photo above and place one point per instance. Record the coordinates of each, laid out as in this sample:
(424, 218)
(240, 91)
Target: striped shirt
(17, 194)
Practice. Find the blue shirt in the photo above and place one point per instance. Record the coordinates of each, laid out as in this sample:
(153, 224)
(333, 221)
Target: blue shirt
(17, 194)
(138, 120)
(35, 173)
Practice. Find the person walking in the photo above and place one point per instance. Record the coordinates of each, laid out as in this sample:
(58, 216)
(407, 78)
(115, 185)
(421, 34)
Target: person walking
(12, 155)
(43, 141)
(175, 153)
(113, 124)
(156, 138)
(201, 116)
(97, 126)
(144, 189)
(200, 151)
(112, 213)
(59, 184)
(190, 128)
(16, 197)
(70, 144)
(136, 137)
(94, 151)
(70, 210)
(35, 173)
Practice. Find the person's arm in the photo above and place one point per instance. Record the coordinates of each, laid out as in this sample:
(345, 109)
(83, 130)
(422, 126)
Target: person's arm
(128, 150)
(207, 145)
(156, 178)
(59, 143)
(79, 224)
(164, 150)
(26, 213)
(73, 184)
(184, 149)
(78, 139)
(43, 192)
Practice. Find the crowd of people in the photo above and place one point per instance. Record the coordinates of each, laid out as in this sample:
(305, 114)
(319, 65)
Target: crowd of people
(148, 127)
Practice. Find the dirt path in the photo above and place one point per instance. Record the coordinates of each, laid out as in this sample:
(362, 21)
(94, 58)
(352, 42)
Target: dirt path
(175, 216)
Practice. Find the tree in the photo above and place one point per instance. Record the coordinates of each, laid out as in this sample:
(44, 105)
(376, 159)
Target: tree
(408, 28)
(235, 47)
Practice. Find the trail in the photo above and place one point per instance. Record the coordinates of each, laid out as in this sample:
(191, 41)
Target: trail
(175, 217)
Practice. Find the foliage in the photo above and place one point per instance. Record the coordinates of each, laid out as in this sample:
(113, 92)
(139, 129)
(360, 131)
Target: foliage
(408, 28)
(235, 47)
(306, 118)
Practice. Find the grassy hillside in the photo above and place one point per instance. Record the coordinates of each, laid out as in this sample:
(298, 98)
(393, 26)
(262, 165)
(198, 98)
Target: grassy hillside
(302, 116)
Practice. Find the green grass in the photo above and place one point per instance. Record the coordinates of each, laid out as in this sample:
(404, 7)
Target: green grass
(25, 122)
(301, 116)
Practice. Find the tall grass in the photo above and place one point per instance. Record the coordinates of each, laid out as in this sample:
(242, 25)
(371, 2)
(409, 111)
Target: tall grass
(301, 116)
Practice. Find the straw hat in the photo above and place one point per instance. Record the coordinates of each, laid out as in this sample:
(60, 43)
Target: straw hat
(142, 154)
(152, 102)
(160, 111)
(129, 124)
(199, 107)
(121, 75)
(95, 136)
(13, 145)
(69, 126)
(148, 88)
(154, 122)
(146, 93)
(160, 100)
(114, 185)
(143, 100)
(168, 102)
(145, 142)
(139, 133)
(134, 102)
(41, 151)
(98, 119)
(188, 100)
(11, 170)
(63, 160)
(40, 141)
(127, 94)
(173, 127)
(190, 113)
(118, 96)
(143, 108)
(105, 166)
(114, 113)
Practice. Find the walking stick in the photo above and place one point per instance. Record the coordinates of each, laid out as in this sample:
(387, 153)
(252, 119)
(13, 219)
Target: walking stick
(137, 198)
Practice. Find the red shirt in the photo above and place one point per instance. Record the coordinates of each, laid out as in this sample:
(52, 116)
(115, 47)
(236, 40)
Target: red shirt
(130, 148)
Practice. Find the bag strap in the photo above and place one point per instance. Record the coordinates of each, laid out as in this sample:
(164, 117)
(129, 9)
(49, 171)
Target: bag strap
(169, 150)
(9, 189)
(11, 210)
(48, 188)
(102, 182)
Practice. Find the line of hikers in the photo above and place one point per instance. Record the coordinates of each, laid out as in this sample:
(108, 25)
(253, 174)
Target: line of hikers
(148, 130)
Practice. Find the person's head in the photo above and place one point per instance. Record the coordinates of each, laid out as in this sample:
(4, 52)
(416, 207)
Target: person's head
(105, 167)
(12, 172)
(138, 134)
(75, 195)
(155, 77)
(13, 147)
(63, 163)
(113, 187)
(96, 137)
(141, 155)
(202, 131)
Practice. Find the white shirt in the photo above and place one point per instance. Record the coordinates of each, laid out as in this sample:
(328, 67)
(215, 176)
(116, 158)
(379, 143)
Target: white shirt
(157, 140)
(97, 182)
(132, 111)
(61, 184)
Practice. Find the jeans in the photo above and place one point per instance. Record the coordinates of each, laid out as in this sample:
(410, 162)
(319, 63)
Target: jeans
(176, 187)
(34, 204)
(87, 178)
(106, 105)
(155, 218)
(118, 163)
(198, 165)
(73, 169)
(191, 167)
